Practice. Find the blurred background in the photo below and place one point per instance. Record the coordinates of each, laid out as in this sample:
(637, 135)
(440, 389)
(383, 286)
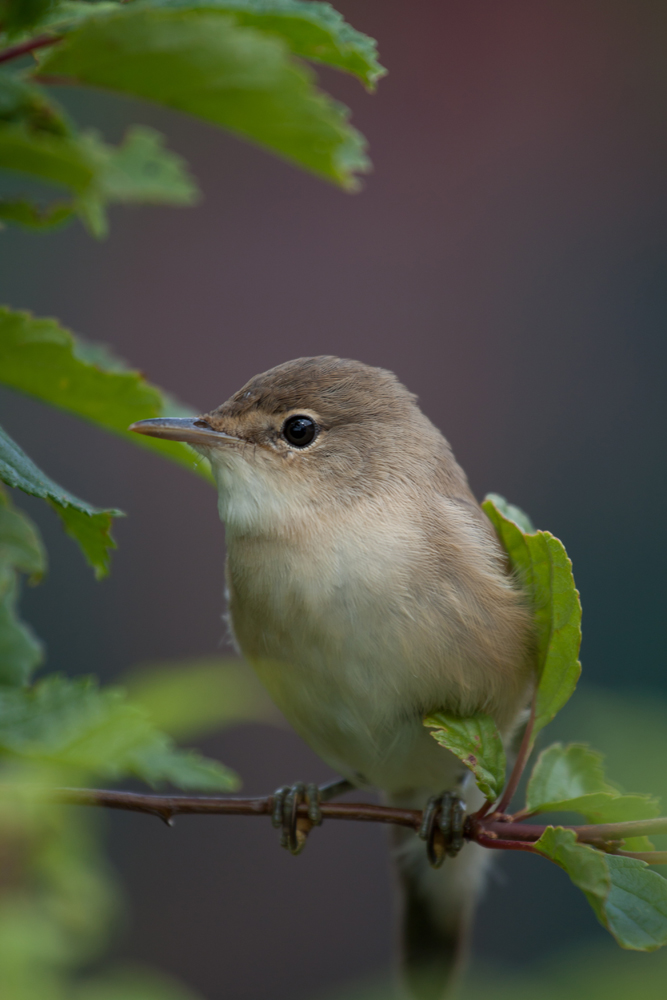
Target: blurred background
(507, 261)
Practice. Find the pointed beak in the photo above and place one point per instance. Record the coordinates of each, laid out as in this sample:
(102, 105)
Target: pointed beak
(192, 430)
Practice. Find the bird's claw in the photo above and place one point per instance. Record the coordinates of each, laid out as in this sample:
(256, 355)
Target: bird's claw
(442, 827)
(294, 828)
(285, 816)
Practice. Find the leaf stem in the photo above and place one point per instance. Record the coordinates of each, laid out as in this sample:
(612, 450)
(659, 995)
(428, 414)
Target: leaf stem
(24, 48)
(495, 843)
(520, 762)
(617, 831)
(522, 814)
(484, 810)
(593, 833)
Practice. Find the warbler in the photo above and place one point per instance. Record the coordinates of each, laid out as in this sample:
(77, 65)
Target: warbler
(367, 588)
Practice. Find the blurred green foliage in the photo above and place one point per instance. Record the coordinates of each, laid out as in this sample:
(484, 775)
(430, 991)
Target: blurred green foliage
(89, 526)
(631, 733)
(238, 65)
(191, 698)
(42, 359)
(598, 974)
(593, 973)
(132, 983)
(57, 899)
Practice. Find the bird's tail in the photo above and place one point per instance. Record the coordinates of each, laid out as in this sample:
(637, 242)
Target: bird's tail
(437, 907)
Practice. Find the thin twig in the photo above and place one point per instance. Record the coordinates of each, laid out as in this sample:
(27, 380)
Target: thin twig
(167, 806)
(513, 831)
(496, 844)
(615, 831)
(24, 48)
(522, 814)
(593, 833)
(494, 833)
(520, 762)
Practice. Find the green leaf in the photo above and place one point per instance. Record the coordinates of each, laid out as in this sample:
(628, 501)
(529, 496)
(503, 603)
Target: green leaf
(607, 807)
(19, 15)
(571, 779)
(202, 62)
(584, 864)
(629, 730)
(68, 14)
(562, 773)
(22, 103)
(635, 911)
(36, 139)
(21, 550)
(312, 30)
(41, 358)
(545, 571)
(92, 531)
(22, 212)
(21, 547)
(141, 169)
(512, 512)
(627, 898)
(55, 159)
(475, 741)
(74, 725)
(186, 699)
(88, 525)
(20, 651)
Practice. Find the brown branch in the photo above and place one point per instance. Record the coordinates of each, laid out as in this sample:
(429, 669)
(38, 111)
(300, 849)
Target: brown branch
(24, 48)
(168, 806)
(495, 833)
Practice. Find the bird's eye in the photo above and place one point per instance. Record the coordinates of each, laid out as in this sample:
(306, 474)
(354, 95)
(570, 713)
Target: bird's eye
(299, 431)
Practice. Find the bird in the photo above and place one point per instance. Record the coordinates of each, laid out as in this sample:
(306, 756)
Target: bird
(367, 588)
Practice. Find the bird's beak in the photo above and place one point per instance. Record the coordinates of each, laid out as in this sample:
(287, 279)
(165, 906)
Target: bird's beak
(192, 430)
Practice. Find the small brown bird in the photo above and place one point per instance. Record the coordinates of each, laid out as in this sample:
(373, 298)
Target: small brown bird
(368, 589)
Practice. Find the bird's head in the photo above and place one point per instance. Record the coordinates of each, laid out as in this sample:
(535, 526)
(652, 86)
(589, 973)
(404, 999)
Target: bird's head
(301, 436)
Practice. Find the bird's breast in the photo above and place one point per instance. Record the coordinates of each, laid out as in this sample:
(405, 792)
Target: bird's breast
(356, 634)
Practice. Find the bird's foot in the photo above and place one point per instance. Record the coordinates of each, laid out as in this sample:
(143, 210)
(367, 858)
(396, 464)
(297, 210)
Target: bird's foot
(442, 827)
(286, 801)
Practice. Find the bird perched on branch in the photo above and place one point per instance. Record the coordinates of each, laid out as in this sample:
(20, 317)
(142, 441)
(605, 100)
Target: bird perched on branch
(368, 589)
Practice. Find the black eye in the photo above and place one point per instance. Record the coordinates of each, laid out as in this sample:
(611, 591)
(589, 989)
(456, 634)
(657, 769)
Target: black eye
(299, 431)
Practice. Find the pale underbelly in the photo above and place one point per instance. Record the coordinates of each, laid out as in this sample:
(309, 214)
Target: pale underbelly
(366, 737)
